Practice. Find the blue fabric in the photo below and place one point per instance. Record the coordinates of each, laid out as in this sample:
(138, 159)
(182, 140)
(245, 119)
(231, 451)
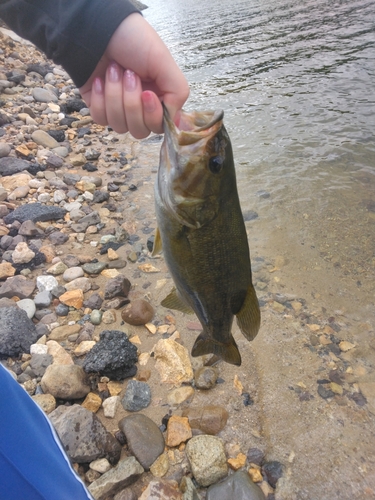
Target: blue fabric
(33, 465)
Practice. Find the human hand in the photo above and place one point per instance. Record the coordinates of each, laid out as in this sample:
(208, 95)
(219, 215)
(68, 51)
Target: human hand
(135, 74)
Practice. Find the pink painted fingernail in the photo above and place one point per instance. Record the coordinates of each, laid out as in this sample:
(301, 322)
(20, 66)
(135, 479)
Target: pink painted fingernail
(114, 73)
(98, 86)
(148, 101)
(130, 80)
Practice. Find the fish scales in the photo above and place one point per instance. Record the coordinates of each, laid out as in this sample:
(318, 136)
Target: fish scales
(202, 233)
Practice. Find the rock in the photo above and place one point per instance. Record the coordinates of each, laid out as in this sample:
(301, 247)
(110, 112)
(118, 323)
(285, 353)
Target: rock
(255, 456)
(58, 238)
(273, 471)
(110, 406)
(161, 465)
(40, 362)
(17, 332)
(28, 306)
(43, 139)
(84, 347)
(208, 419)
(83, 435)
(43, 299)
(180, 395)
(92, 402)
(65, 382)
(72, 273)
(160, 490)
(60, 355)
(22, 254)
(205, 377)
(28, 228)
(94, 267)
(71, 260)
(144, 438)
(17, 286)
(178, 431)
(109, 317)
(95, 301)
(72, 298)
(36, 212)
(44, 95)
(5, 149)
(172, 362)
(114, 356)
(138, 312)
(118, 286)
(126, 494)
(137, 396)
(11, 166)
(63, 332)
(207, 459)
(6, 270)
(19, 193)
(46, 402)
(46, 283)
(100, 465)
(125, 473)
(49, 252)
(83, 284)
(238, 486)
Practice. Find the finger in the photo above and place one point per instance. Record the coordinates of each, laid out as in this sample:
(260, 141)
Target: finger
(97, 104)
(133, 105)
(113, 98)
(152, 112)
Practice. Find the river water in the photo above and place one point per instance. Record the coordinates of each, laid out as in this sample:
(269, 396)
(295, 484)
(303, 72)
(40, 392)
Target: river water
(296, 82)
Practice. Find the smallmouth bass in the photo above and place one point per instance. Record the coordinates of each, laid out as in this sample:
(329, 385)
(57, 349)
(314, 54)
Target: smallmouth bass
(202, 232)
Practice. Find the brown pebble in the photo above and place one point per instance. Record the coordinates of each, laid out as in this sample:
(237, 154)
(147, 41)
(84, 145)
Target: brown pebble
(138, 312)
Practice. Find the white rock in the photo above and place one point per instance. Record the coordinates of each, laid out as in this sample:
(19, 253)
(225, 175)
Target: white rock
(28, 306)
(46, 283)
(38, 349)
(100, 465)
(44, 198)
(73, 273)
(22, 254)
(59, 195)
(110, 406)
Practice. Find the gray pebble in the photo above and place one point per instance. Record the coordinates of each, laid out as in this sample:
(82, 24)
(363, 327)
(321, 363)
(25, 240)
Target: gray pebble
(43, 299)
(137, 396)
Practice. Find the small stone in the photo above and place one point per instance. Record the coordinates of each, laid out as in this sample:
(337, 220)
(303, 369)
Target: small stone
(207, 459)
(65, 382)
(273, 471)
(346, 346)
(5, 149)
(144, 438)
(46, 283)
(61, 333)
(83, 284)
(238, 462)
(92, 402)
(255, 474)
(60, 355)
(94, 267)
(58, 238)
(178, 431)
(22, 254)
(238, 486)
(46, 402)
(255, 456)
(161, 465)
(96, 317)
(84, 347)
(43, 299)
(73, 298)
(28, 306)
(57, 269)
(172, 362)
(72, 273)
(43, 139)
(118, 286)
(100, 465)
(205, 378)
(112, 255)
(161, 490)
(109, 317)
(44, 95)
(137, 396)
(6, 270)
(180, 395)
(110, 406)
(336, 388)
(209, 419)
(138, 312)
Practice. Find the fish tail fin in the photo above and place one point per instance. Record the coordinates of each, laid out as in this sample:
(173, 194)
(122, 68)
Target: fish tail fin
(248, 318)
(226, 351)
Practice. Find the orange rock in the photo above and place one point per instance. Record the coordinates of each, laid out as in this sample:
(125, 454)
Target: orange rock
(178, 431)
(238, 462)
(73, 298)
(49, 252)
(92, 402)
(255, 475)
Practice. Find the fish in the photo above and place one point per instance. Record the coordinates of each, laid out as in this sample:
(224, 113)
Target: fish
(202, 234)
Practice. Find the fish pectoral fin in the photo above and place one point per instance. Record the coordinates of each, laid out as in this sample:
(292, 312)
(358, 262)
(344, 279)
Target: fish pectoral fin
(174, 301)
(248, 317)
(157, 248)
(226, 351)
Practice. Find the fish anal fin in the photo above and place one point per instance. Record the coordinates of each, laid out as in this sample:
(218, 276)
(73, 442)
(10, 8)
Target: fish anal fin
(226, 351)
(248, 317)
(157, 248)
(174, 301)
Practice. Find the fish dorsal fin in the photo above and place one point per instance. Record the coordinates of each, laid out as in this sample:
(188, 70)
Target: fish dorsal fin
(157, 248)
(248, 317)
(174, 301)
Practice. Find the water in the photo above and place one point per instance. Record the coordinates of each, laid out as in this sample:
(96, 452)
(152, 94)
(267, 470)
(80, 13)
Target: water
(296, 82)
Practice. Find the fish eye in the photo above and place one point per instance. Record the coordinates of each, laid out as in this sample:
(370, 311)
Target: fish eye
(215, 164)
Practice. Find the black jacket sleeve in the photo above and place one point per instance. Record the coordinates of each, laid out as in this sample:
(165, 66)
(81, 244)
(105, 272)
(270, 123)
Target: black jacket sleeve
(73, 33)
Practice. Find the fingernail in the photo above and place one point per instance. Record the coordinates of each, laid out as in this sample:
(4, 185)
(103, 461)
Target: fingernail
(129, 80)
(148, 101)
(113, 73)
(98, 86)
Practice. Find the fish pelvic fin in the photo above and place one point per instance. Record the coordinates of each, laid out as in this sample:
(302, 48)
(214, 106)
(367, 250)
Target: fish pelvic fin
(175, 301)
(226, 351)
(157, 248)
(248, 317)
